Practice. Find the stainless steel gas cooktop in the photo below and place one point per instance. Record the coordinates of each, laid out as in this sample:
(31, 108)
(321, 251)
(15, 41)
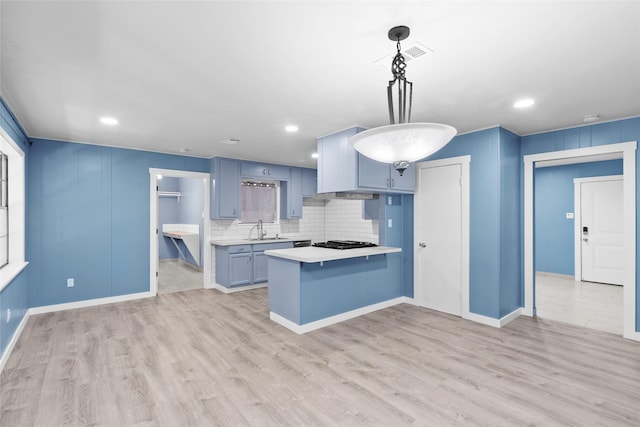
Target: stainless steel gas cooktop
(344, 244)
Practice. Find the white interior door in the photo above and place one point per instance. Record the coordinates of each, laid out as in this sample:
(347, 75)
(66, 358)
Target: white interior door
(439, 249)
(601, 231)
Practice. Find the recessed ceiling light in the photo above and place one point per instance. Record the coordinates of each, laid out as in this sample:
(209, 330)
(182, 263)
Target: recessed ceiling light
(291, 128)
(314, 155)
(108, 121)
(589, 118)
(230, 141)
(184, 150)
(524, 103)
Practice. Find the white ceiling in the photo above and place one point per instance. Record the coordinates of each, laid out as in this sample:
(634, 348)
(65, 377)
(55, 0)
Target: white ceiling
(182, 74)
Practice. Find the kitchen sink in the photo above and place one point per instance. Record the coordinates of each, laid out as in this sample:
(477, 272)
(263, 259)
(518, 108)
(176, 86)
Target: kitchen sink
(269, 238)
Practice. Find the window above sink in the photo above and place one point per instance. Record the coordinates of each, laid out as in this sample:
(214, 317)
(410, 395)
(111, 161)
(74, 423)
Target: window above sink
(259, 200)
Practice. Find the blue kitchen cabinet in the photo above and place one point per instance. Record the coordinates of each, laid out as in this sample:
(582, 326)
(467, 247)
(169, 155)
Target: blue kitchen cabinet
(383, 176)
(242, 265)
(225, 194)
(264, 171)
(309, 182)
(404, 183)
(337, 162)
(259, 267)
(342, 168)
(240, 269)
(291, 195)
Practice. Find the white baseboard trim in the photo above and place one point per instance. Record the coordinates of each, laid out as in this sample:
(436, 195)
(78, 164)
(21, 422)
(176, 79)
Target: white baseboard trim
(412, 301)
(505, 320)
(14, 340)
(312, 326)
(490, 321)
(226, 290)
(632, 336)
(88, 303)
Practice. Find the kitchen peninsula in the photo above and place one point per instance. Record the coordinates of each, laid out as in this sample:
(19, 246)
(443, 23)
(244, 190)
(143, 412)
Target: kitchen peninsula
(313, 287)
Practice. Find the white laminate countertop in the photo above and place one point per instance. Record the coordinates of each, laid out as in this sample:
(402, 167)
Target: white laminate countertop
(311, 254)
(177, 234)
(253, 242)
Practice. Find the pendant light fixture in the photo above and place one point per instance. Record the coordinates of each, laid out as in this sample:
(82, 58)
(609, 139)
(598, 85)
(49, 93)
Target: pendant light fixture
(401, 142)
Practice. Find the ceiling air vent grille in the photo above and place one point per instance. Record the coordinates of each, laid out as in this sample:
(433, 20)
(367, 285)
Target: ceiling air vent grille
(410, 53)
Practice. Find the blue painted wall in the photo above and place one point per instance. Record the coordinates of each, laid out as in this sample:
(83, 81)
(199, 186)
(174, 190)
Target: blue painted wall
(589, 136)
(168, 213)
(14, 295)
(89, 219)
(554, 193)
(191, 210)
(511, 284)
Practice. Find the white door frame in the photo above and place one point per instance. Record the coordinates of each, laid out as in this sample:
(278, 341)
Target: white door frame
(463, 161)
(153, 221)
(628, 151)
(577, 207)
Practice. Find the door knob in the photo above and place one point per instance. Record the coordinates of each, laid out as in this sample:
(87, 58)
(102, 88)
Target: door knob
(422, 245)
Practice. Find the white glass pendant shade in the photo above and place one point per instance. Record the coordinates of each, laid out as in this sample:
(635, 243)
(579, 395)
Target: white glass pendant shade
(402, 142)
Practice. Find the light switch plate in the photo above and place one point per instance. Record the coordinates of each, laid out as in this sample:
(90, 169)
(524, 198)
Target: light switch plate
(389, 223)
(70, 283)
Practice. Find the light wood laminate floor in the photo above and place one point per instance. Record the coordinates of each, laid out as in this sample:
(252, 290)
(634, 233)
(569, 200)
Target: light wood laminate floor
(205, 358)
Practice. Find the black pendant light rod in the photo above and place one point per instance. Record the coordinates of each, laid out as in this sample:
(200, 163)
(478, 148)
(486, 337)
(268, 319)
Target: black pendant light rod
(405, 87)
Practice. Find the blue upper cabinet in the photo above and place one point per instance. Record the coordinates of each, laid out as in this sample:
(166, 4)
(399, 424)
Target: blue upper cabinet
(225, 188)
(341, 168)
(291, 195)
(337, 162)
(382, 176)
(264, 171)
(309, 182)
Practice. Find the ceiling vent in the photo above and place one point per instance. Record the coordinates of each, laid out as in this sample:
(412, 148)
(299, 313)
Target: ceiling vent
(410, 53)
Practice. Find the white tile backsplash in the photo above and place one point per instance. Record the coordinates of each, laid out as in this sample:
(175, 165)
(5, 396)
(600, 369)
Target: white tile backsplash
(343, 221)
(321, 220)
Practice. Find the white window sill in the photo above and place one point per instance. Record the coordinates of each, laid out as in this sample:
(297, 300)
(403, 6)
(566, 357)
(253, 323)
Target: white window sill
(10, 272)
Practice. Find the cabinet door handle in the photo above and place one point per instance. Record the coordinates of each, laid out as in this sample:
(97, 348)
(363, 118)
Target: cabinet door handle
(393, 183)
(387, 182)
(235, 212)
(268, 171)
(264, 171)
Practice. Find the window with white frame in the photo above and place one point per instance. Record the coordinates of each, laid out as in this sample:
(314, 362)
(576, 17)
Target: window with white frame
(12, 210)
(4, 211)
(259, 201)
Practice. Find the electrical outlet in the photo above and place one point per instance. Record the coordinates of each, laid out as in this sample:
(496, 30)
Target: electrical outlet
(70, 283)
(8, 315)
(569, 215)
(389, 200)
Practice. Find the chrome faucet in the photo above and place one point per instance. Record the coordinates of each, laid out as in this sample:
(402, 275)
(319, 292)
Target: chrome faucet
(261, 233)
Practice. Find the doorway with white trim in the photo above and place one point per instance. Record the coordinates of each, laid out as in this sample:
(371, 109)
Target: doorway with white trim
(625, 151)
(180, 230)
(564, 291)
